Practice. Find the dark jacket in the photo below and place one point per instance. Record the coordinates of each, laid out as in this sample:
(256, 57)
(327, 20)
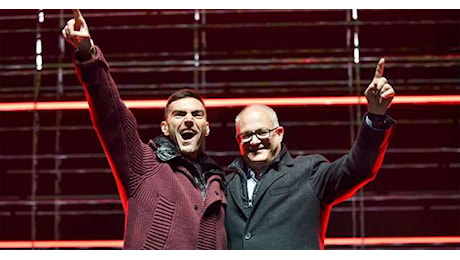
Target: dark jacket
(169, 202)
(292, 201)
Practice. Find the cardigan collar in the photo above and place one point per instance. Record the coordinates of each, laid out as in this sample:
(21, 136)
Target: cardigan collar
(164, 148)
(167, 151)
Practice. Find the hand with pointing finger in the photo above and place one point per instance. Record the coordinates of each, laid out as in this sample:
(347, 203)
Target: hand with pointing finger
(379, 93)
(76, 33)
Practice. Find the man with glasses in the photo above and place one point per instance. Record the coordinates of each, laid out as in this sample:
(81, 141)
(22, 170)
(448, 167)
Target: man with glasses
(276, 201)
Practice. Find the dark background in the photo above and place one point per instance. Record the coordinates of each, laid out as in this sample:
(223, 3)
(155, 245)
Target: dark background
(55, 183)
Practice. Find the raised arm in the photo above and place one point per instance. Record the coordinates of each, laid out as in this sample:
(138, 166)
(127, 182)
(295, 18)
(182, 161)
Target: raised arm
(340, 179)
(114, 124)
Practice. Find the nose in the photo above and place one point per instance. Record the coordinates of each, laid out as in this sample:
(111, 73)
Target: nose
(189, 120)
(254, 140)
(188, 124)
(188, 117)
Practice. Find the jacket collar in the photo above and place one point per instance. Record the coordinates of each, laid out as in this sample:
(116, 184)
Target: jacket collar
(166, 151)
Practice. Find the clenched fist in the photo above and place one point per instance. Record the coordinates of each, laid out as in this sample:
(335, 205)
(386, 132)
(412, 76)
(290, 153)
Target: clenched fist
(76, 33)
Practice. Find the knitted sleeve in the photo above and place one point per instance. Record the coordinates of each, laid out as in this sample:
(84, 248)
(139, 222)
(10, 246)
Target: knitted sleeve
(113, 122)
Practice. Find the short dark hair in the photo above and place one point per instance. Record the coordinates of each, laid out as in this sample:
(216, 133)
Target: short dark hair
(180, 94)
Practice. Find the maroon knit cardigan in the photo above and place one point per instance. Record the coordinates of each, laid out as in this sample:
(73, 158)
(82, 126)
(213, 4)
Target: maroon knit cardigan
(164, 208)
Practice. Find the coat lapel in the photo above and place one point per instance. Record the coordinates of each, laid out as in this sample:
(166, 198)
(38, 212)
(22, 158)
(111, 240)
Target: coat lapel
(278, 169)
(271, 177)
(237, 183)
(235, 190)
(237, 186)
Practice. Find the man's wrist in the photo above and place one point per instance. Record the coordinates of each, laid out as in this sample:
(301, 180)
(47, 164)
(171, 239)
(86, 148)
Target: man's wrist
(86, 50)
(378, 121)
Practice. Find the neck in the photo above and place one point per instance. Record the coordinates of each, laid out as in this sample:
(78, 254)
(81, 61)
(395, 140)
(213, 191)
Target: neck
(257, 169)
(191, 156)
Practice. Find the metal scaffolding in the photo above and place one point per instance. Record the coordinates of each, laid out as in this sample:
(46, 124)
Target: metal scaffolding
(48, 157)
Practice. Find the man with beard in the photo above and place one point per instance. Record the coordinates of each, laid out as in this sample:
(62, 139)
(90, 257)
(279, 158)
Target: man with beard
(171, 191)
(276, 201)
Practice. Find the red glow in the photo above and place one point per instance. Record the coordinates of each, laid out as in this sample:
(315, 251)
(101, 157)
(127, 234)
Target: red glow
(329, 241)
(62, 244)
(237, 102)
(392, 240)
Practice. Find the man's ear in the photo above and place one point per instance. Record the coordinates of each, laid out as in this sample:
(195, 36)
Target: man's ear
(164, 128)
(280, 133)
(208, 129)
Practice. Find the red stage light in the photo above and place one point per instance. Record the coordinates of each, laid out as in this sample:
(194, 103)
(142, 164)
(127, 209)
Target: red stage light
(348, 241)
(236, 102)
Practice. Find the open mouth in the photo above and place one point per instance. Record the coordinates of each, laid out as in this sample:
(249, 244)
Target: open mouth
(187, 134)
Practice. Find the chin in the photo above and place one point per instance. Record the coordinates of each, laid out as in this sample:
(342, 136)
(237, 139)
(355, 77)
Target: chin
(259, 158)
(189, 148)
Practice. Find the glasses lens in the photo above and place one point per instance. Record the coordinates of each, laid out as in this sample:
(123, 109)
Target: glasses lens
(246, 137)
(263, 133)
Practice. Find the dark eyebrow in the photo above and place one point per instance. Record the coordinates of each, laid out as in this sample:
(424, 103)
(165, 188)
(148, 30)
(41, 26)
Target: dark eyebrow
(177, 111)
(198, 111)
(262, 129)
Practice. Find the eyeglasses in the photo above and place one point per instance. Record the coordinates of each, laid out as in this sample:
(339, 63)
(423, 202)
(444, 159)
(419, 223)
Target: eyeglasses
(263, 133)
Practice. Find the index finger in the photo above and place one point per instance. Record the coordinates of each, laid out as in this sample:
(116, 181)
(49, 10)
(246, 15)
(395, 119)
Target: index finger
(77, 16)
(380, 68)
